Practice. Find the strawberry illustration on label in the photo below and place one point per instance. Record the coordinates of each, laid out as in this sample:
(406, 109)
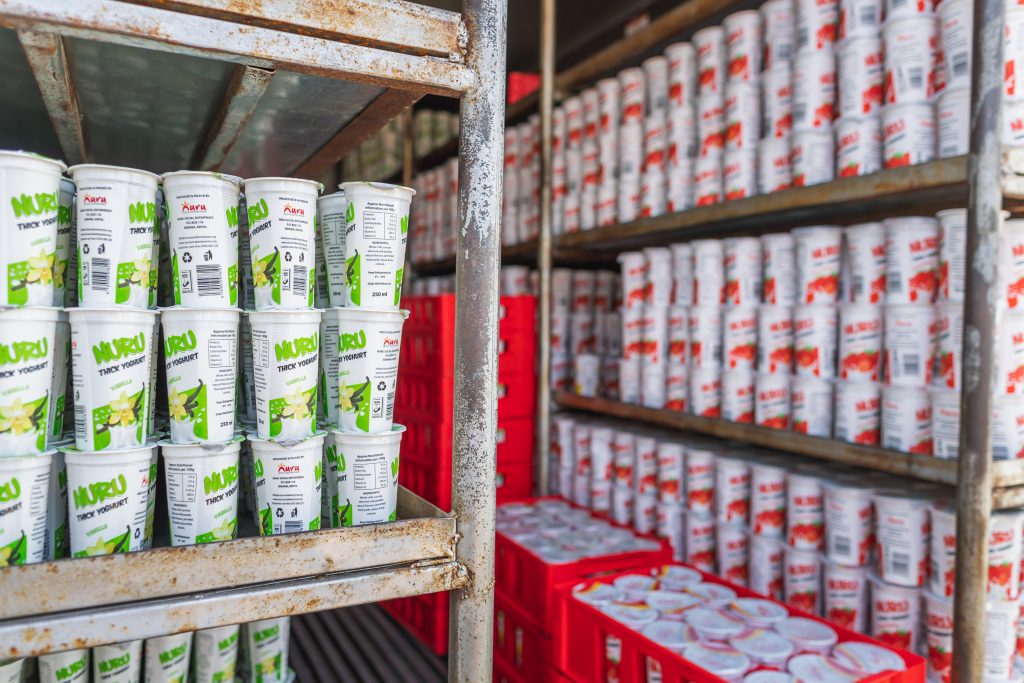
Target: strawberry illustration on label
(707, 77)
(922, 286)
(776, 422)
(700, 498)
(800, 426)
(737, 574)
(743, 352)
(923, 447)
(941, 663)
(704, 559)
(898, 160)
(1014, 290)
(869, 437)
(878, 289)
(805, 601)
(898, 639)
(737, 509)
(1000, 574)
(769, 290)
(807, 357)
(713, 411)
(769, 519)
(826, 284)
(676, 404)
(843, 616)
(850, 170)
(1014, 379)
(746, 418)
(739, 67)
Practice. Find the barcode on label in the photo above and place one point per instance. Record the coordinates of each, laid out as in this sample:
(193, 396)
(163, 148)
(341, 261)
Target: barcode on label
(868, 15)
(208, 280)
(894, 282)
(960, 64)
(858, 284)
(80, 425)
(1000, 452)
(390, 406)
(911, 364)
(100, 273)
(900, 564)
(841, 545)
(799, 111)
(298, 279)
(784, 51)
(801, 36)
(916, 77)
(291, 526)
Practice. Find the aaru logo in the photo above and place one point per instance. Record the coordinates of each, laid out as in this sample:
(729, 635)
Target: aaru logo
(10, 490)
(99, 491)
(21, 351)
(192, 208)
(290, 210)
(351, 341)
(288, 469)
(177, 343)
(93, 198)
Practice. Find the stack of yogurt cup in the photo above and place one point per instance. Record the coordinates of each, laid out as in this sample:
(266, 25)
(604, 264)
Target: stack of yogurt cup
(814, 92)
(587, 330)
(361, 336)
(774, 170)
(742, 109)
(653, 179)
(858, 128)
(682, 125)
(709, 45)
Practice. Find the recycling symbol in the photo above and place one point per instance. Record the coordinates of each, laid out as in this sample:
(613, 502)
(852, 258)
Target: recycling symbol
(85, 248)
(187, 258)
(288, 256)
(381, 386)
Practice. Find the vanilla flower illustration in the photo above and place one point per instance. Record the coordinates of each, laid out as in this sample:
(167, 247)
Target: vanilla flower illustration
(259, 274)
(295, 405)
(268, 665)
(345, 398)
(121, 411)
(5, 556)
(16, 417)
(40, 268)
(177, 405)
(99, 548)
(140, 276)
(224, 532)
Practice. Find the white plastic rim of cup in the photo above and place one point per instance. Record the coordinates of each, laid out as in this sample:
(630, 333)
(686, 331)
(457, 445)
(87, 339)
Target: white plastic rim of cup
(200, 347)
(282, 240)
(367, 476)
(369, 341)
(331, 210)
(116, 215)
(108, 492)
(167, 658)
(286, 355)
(288, 480)
(266, 650)
(28, 339)
(202, 221)
(56, 545)
(202, 491)
(377, 226)
(59, 380)
(215, 654)
(30, 185)
(63, 283)
(120, 663)
(70, 666)
(24, 486)
(111, 353)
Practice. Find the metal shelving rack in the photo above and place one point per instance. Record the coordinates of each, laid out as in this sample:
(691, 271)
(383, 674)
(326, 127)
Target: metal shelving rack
(391, 52)
(987, 181)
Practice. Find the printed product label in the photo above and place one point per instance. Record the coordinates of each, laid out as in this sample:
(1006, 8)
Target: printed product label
(202, 216)
(167, 658)
(29, 223)
(26, 366)
(267, 650)
(202, 497)
(285, 368)
(121, 663)
(375, 237)
(367, 363)
(23, 506)
(201, 363)
(282, 240)
(287, 486)
(215, 654)
(70, 666)
(107, 507)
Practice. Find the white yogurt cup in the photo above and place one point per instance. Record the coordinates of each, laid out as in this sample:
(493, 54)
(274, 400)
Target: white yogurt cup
(215, 654)
(367, 476)
(30, 185)
(111, 356)
(860, 75)
(331, 210)
(65, 263)
(705, 392)
(1010, 266)
(265, 650)
(369, 342)
(711, 59)
(860, 342)
(708, 272)
(772, 401)
(629, 380)
(708, 187)
(812, 159)
(108, 494)
(733, 552)
(849, 522)
(805, 513)
(778, 258)
(1009, 355)
(767, 567)
(671, 467)
(682, 272)
(907, 419)
(895, 614)
(587, 375)
(814, 340)
(908, 134)
(202, 491)
(858, 412)
(120, 663)
(743, 272)
(938, 633)
(912, 260)
(802, 581)
(732, 490)
(737, 396)
(816, 24)
(767, 500)
(865, 248)
(739, 336)
(200, 347)
(286, 352)
(700, 481)
(678, 335)
(677, 390)
(1007, 428)
(909, 344)
(777, 102)
(945, 405)
(60, 401)
(909, 58)
(814, 89)
(634, 278)
(70, 666)
(743, 34)
(811, 405)
(28, 354)
(902, 529)
(24, 487)
(953, 122)
(202, 215)
(739, 173)
(818, 254)
(378, 220)
(952, 253)
(115, 255)
(775, 339)
(705, 334)
(949, 331)
(57, 541)
(287, 482)
(168, 658)
(845, 596)
(858, 146)
(742, 116)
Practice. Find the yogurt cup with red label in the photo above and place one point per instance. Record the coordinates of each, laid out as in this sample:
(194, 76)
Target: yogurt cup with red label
(817, 24)
(945, 406)
(912, 260)
(700, 481)
(866, 251)
(678, 335)
(909, 48)
(845, 596)
(766, 575)
(860, 342)
(774, 170)
(700, 541)
(902, 528)
(812, 159)
(1005, 554)
(808, 635)
(775, 339)
(909, 344)
(772, 401)
(708, 272)
(814, 340)
(705, 334)
(938, 627)
(671, 472)
(858, 412)
(1007, 428)
(907, 420)
(818, 254)
(860, 75)
(849, 522)
(778, 258)
(737, 402)
(1009, 356)
(909, 134)
(858, 146)
(733, 552)
(742, 262)
(1010, 264)
(949, 330)
(895, 614)
(739, 337)
(802, 580)
(767, 500)
(711, 60)
(805, 515)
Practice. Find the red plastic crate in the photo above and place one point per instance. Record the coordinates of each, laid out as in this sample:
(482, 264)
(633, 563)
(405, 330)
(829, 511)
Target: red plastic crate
(514, 481)
(430, 443)
(426, 395)
(580, 648)
(519, 646)
(425, 616)
(528, 581)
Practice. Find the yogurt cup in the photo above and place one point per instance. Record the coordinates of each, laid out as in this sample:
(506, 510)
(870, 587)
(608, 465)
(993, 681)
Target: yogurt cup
(286, 352)
(802, 581)
(949, 332)
(202, 219)
(767, 570)
(705, 335)
(909, 345)
(845, 596)
(912, 260)
(678, 335)
(902, 528)
(377, 218)
(115, 255)
(623, 454)
(907, 420)
(265, 650)
(737, 396)
(909, 58)
(811, 406)
(24, 485)
(758, 612)
(70, 666)
(849, 522)
(858, 412)
(30, 184)
(28, 351)
(57, 541)
(111, 357)
(775, 339)
(867, 658)
(908, 134)
(120, 663)
(109, 492)
(805, 516)
(200, 347)
(282, 241)
(670, 634)
(1005, 553)
(65, 262)
(813, 157)
(202, 491)
(1009, 354)
(953, 122)
(779, 268)
(331, 210)
(814, 89)
(858, 146)
(645, 473)
(812, 667)
(942, 549)
(938, 632)
(700, 541)
(777, 102)
(215, 654)
(767, 500)
(367, 476)
(719, 660)
(895, 614)
(739, 337)
(288, 480)
(671, 469)
(774, 171)
(60, 401)
(700, 481)
(814, 340)
(865, 248)
(818, 255)
(1010, 266)
(772, 401)
(860, 75)
(765, 648)
(167, 658)
(733, 552)
(808, 635)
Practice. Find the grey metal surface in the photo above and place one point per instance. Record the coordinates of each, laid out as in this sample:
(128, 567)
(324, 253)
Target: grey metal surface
(981, 318)
(47, 58)
(478, 260)
(547, 101)
(24, 123)
(244, 90)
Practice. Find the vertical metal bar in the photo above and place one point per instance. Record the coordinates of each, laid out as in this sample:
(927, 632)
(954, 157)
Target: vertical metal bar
(408, 162)
(477, 261)
(974, 469)
(547, 102)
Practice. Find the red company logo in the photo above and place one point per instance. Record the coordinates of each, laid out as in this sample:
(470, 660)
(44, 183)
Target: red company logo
(94, 199)
(290, 210)
(287, 469)
(189, 208)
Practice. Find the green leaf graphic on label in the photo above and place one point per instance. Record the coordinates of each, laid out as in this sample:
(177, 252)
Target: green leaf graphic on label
(224, 532)
(14, 553)
(352, 276)
(233, 284)
(80, 273)
(36, 270)
(350, 213)
(314, 524)
(335, 523)
(58, 417)
(398, 284)
(118, 544)
(175, 277)
(269, 670)
(133, 273)
(393, 516)
(265, 273)
(266, 521)
(189, 405)
(404, 223)
(394, 468)
(355, 398)
(299, 405)
(345, 513)
(20, 418)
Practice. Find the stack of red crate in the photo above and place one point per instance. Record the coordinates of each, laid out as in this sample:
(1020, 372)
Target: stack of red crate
(423, 403)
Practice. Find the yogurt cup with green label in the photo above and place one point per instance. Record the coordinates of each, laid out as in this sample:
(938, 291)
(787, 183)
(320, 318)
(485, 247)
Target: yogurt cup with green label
(30, 188)
(65, 268)
(367, 476)
(286, 363)
(59, 380)
(167, 658)
(24, 485)
(282, 240)
(200, 347)
(119, 663)
(202, 491)
(154, 475)
(12, 670)
(287, 481)
(70, 666)
(215, 654)
(116, 215)
(57, 541)
(111, 357)
(108, 495)
(368, 345)
(266, 650)
(27, 340)
(331, 215)
(329, 513)
(377, 228)
(329, 354)
(202, 219)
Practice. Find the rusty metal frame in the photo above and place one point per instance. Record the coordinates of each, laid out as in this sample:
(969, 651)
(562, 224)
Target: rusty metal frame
(243, 94)
(47, 59)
